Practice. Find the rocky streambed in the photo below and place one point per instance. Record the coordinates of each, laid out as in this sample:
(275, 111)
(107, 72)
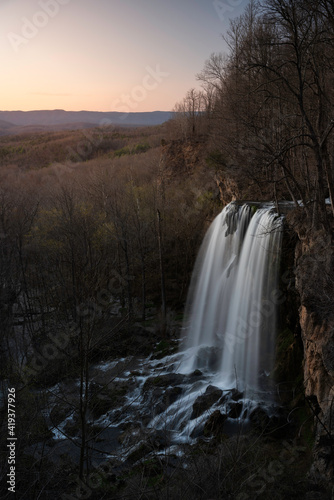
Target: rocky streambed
(139, 406)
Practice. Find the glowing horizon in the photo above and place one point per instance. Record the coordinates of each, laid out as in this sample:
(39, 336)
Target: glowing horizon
(140, 56)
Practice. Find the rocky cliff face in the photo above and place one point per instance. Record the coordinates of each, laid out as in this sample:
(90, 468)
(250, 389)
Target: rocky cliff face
(314, 268)
(180, 158)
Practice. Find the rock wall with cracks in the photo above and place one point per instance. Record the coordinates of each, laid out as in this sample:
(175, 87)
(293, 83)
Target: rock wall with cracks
(314, 269)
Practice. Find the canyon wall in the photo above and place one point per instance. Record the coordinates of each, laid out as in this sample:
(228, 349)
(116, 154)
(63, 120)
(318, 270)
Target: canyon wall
(314, 271)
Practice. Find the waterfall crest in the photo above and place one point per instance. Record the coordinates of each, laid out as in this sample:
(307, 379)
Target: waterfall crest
(231, 309)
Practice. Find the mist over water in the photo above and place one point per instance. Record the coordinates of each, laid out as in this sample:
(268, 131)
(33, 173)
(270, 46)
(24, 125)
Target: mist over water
(231, 309)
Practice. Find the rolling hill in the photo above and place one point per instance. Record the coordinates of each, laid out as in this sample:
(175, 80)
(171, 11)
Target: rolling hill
(11, 122)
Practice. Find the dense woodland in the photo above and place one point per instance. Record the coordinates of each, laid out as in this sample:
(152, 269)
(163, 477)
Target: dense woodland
(100, 228)
(268, 104)
(96, 256)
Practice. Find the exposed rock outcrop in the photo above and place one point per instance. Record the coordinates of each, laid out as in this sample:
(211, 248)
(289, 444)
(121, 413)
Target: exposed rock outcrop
(228, 188)
(180, 158)
(314, 269)
(205, 401)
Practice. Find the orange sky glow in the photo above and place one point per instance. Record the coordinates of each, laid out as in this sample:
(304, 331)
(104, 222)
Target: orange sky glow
(106, 55)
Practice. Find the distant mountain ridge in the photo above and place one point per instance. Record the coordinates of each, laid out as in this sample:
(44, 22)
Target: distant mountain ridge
(59, 117)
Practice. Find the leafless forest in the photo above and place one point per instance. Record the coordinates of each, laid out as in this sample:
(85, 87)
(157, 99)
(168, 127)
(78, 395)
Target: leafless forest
(99, 230)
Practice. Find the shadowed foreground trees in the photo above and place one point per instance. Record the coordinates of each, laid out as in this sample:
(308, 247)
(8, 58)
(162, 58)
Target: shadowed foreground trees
(82, 245)
(80, 275)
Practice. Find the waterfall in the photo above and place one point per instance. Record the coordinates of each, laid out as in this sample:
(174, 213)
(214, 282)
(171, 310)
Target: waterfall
(231, 308)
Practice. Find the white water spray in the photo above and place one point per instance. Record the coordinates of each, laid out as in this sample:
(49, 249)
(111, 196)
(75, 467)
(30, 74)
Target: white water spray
(233, 297)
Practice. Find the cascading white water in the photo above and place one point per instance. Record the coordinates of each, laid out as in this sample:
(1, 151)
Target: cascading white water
(229, 335)
(232, 301)
(230, 339)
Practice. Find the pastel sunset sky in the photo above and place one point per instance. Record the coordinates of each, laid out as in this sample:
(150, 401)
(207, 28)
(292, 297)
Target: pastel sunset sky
(105, 55)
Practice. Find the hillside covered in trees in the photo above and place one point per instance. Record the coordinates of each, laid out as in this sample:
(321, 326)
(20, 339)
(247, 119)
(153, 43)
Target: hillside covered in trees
(268, 104)
(99, 232)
